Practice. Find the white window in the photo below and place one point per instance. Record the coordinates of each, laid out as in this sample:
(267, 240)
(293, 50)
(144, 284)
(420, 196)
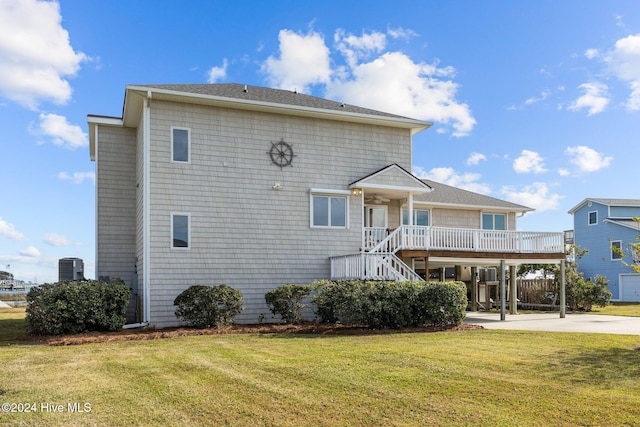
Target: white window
(180, 231)
(420, 217)
(491, 221)
(329, 211)
(616, 250)
(593, 217)
(180, 144)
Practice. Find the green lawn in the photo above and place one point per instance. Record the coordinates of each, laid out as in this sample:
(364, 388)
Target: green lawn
(482, 377)
(619, 309)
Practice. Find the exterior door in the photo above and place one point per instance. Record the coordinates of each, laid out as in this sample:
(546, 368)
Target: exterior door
(375, 219)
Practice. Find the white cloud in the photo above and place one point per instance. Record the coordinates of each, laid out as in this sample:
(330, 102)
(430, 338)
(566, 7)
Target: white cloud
(587, 159)
(536, 195)
(563, 172)
(303, 61)
(401, 33)
(623, 61)
(543, 95)
(9, 231)
(35, 53)
(475, 158)
(591, 53)
(595, 99)
(449, 176)
(217, 74)
(372, 78)
(31, 252)
(77, 177)
(355, 48)
(62, 132)
(529, 161)
(58, 240)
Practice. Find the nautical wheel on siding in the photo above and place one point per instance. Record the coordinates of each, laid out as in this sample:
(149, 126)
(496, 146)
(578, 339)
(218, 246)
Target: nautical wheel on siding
(281, 153)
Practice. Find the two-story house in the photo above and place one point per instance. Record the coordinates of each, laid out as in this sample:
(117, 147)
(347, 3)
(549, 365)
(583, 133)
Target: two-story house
(600, 225)
(255, 187)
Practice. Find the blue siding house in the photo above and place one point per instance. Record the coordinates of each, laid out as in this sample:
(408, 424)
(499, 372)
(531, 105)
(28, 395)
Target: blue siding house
(598, 225)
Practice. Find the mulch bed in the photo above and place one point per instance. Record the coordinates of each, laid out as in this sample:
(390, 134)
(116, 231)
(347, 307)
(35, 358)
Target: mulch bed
(268, 328)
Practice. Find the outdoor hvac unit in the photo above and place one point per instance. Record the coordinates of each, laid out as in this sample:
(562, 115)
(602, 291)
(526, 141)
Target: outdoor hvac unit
(70, 269)
(488, 275)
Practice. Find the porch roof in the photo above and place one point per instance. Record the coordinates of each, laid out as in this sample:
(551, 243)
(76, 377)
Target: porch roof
(392, 181)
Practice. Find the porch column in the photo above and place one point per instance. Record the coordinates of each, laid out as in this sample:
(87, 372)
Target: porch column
(563, 296)
(513, 293)
(474, 289)
(410, 203)
(503, 291)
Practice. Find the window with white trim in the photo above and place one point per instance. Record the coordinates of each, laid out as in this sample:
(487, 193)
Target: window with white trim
(420, 216)
(593, 217)
(180, 144)
(616, 250)
(180, 231)
(328, 211)
(494, 221)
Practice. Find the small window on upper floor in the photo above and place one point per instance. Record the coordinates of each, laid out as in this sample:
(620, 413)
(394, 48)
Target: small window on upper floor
(616, 250)
(180, 144)
(593, 217)
(491, 221)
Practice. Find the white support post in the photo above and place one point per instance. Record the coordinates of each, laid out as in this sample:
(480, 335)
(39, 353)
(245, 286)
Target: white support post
(503, 296)
(563, 295)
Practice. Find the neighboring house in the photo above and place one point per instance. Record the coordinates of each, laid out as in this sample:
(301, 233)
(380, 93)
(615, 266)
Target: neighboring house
(599, 225)
(255, 188)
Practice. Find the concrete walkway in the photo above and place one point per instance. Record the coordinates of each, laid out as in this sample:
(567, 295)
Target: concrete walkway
(573, 322)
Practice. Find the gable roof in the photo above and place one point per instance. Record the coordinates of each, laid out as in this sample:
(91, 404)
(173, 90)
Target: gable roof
(446, 195)
(394, 178)
(607, 202)
(256, 98)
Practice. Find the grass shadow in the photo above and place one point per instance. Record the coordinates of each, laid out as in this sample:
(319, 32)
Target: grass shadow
(607, 367)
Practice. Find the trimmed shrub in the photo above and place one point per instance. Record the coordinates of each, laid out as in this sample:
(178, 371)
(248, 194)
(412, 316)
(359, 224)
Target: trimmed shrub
(75, 307)
(382, 304)
(286, 300)
(202, 306)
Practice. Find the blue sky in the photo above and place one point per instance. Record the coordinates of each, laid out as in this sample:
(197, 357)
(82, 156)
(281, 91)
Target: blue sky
(536, 102)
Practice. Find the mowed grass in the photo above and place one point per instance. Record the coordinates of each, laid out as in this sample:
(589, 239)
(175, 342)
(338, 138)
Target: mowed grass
(482, 377)
(619, 309)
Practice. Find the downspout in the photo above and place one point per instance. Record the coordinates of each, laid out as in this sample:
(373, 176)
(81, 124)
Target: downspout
(146, 210)
(96, 180)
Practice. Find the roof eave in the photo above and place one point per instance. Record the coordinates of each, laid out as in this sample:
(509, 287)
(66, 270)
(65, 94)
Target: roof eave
(135, 94)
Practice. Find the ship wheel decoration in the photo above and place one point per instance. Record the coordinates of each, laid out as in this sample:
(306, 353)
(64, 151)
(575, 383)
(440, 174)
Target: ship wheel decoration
(281, 153)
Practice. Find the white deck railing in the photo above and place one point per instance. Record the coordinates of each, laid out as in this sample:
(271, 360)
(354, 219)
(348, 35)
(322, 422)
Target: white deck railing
(464, 239)
(371, 266)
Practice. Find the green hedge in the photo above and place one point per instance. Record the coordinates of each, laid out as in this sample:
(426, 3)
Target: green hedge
(75, 307)
(286, 300)
(382, 304)
(203, 306)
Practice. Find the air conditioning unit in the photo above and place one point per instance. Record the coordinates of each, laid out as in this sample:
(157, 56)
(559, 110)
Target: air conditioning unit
(488, 275)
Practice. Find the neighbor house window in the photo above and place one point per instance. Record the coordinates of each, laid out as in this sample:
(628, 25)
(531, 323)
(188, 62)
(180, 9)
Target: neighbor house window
(420, 217)
(180, 231)
(492, 221)
(328, 211)
(593, 217)
(616, 250)
(180, 144)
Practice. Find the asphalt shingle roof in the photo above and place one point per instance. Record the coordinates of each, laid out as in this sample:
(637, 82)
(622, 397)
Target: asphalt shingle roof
(268, 95)
(447, 195)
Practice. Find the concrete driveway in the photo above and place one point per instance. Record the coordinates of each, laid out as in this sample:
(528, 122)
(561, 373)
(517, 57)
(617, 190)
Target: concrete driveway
(573, 322)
